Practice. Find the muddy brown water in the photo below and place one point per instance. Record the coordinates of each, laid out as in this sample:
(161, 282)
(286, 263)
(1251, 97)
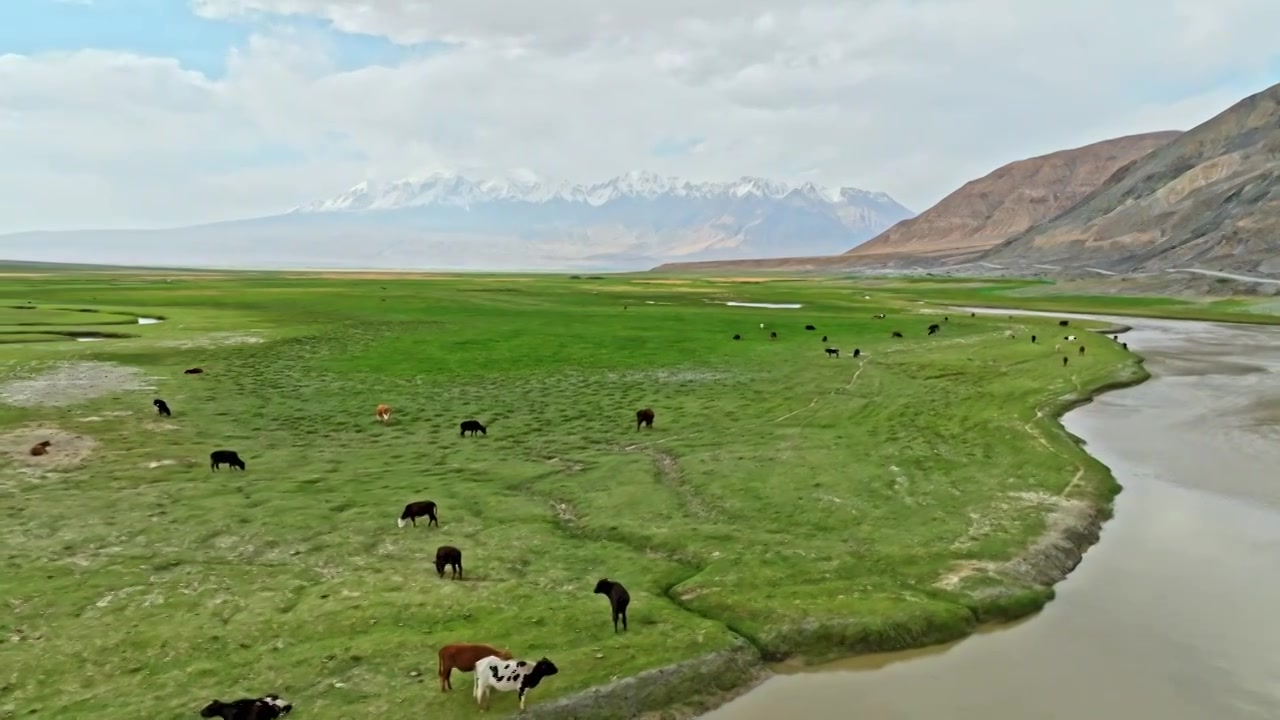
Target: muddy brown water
(1172, 615)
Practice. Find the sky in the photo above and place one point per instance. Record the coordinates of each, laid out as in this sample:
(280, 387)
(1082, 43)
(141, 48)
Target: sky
(155, 113)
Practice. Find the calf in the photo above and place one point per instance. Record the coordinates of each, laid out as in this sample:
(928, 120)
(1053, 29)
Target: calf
(415, 510)
(451, 556)
(1033, 339)
(1125, 345)
(773, 336)
(824, 338)
(473, 427)
(644, 417)
(464, 656)
(897, 334)
(833, 352)
(810, 327)
(162, 408)
(218, 457)
(737, 337)
(619, 599)
(507, 675)
(1065, 360)
(382, 413)
(192, 371)
(1081, 349)
(1062, 323)
(934, 328)
(856, 352)
(40, 448)
(267, 707)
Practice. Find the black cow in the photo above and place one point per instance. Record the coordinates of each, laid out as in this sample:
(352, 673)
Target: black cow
(267, 707)
(473, 427)
(737, 337)
(619, 599)
(1033, 339)
(192, 371)
(1063, 323)
(897, 334)
(1065, 360)
(856, 352)
(218, 457)
(451, 556)
(162, 408)
(644, 416)
(833, 352)
(810, 327)
(773, 336)
(934, 328)
(417, 509)
(1125, 345)
(824, 338)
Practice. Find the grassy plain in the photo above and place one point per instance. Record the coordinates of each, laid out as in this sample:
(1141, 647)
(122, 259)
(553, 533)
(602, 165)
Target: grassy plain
(809, 505)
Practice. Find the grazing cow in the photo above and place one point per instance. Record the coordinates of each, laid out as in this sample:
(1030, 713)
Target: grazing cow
(464, 656)
(218, 457)
(824, 338)
(507, 675)
(1081, 349)
(1125, 345)
(162, 408)
(1033, 339)
(1063, 323)
(897, 334)
(761, 326)
(1069, 338)
(856, 352)
(40, 448)
(417, 509)
(878, 316)
(946, 319)
(773, 336)
(810, 327)
(1057, 348)
(1010, 334)
(382, 413)
(267, 707)
(192, 371)
(619, 599)
(1065, 359)
(451, 556)
(473, 427)
(934, 328)
(973, 314)
(644, 416)
(737, 337)
(833, 352)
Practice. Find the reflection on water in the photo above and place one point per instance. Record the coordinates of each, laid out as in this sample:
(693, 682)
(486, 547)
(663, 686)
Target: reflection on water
(1170, 616)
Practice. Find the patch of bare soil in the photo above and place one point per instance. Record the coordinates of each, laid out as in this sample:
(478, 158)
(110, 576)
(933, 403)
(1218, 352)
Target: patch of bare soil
(72, 382)
(66, 450)
(215, 339)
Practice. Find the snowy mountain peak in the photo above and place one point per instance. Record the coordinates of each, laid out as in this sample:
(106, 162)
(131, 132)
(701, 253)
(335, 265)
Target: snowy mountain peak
(446, 188)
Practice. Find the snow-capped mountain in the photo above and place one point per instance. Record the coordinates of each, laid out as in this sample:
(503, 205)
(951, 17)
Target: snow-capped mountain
(517, 221)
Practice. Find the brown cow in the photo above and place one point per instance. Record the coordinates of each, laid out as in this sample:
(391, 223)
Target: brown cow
(383, 413)
(644, 417)
(463, 656)
(40, 448)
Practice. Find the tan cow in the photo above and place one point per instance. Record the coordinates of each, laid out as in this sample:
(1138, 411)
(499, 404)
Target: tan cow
(383, 413)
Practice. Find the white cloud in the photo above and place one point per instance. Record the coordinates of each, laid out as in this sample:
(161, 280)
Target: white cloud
(909, 96)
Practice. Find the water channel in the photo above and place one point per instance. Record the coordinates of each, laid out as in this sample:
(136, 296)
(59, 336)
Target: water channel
(1169, 616)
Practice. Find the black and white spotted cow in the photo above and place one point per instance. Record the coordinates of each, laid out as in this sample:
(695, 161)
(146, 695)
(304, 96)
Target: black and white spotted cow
(522, 676)
(267, 707)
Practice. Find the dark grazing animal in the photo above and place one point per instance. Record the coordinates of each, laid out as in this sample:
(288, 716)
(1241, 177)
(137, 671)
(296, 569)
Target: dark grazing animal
(773, 336)
(162, 408)
(833, 352)
(810, 327)
(192, 371)
(737, 337)
(1081, 349)
(856, 352)
(946, 319)
(934, 328)
(451, 556)
(464, 656)
(1065, 360)
(619, 599)
(1033, 339)
(508, 675)
(267, 707)
(897, 334)
(1125, 345)
(218, 457)
(40, 448)
(824, 338)
(473, 427)
(417, 509)
(644, 417)
(1063, 323)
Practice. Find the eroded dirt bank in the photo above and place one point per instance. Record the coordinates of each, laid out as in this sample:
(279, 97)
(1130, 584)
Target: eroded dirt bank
(1171, 616)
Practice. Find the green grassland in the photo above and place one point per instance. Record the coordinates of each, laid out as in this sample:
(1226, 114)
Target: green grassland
(804, 504)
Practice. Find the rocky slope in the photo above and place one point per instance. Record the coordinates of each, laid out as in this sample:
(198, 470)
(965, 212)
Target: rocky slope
(1209, 200)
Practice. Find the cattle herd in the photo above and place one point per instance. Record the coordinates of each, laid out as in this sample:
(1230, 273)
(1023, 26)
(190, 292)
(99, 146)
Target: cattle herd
(493, 668)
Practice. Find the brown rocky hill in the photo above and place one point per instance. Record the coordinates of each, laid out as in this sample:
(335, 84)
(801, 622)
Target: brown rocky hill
(987, 211)
(1209, 200)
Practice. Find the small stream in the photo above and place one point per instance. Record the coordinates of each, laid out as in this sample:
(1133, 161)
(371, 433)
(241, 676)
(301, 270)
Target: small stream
(1171, 615)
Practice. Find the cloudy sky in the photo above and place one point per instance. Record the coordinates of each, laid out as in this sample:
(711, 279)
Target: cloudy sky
(144, 113)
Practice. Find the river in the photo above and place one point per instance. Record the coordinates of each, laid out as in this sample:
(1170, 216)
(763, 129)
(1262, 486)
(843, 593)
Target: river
(1169, 616)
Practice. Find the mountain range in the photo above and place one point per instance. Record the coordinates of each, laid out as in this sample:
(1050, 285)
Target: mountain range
(1206, 200)
(447, 221)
